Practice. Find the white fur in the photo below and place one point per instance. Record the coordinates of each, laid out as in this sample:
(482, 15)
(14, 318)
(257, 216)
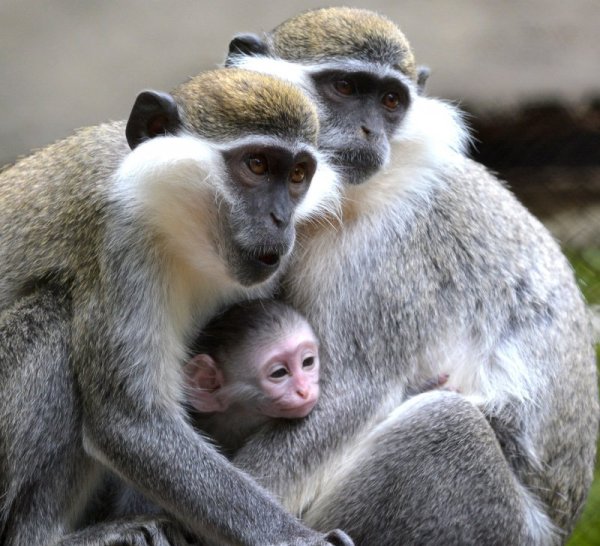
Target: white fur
(284, 70)
(324, 193)
(166, 181)
(542, 531)
(486, 372)
(430, 138)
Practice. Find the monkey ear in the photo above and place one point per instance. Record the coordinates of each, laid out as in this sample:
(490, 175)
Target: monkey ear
(153, 114)
(246, 44)
(204, 379)
(423, 73)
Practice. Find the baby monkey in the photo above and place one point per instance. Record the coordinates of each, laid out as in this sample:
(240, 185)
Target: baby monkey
(256, 361)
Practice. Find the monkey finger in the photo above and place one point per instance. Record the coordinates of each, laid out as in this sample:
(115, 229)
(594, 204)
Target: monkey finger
(338, 538)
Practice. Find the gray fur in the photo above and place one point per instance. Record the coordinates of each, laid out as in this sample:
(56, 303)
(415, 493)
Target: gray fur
(111, 394)
(394, 292)
(441, 270)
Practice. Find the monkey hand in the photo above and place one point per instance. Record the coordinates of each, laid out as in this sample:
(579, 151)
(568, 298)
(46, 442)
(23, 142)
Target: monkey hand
(136, 531)
(335, 538)
(338, 538)
(438, 382)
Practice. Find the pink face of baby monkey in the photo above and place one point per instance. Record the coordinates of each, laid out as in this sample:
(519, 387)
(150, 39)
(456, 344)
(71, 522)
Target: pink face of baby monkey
(278, 378)
(288, 375)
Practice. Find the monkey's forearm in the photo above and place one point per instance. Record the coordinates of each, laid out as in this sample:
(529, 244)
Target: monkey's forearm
(186, 476)
(306, 440)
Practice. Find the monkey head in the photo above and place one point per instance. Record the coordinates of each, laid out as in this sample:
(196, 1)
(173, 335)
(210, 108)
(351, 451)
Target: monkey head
(247, 144)
(359, 68)
(261, 357)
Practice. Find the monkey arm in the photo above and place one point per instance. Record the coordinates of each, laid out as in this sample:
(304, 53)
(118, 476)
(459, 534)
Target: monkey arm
(289, 471)
(185, 475)
(139, 432)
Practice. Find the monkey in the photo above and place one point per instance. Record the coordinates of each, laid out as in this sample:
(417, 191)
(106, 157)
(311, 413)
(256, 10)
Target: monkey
(128, 236)
(431, 266)
(256, 361)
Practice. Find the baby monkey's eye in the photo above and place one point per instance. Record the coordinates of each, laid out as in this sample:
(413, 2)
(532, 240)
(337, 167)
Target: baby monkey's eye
(278, 373)
(257, 164)
(308, 362)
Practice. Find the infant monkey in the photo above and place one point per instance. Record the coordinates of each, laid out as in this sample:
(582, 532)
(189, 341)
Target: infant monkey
(256, 361)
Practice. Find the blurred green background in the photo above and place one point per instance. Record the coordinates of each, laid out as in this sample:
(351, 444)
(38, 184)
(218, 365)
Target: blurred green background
(587, 267)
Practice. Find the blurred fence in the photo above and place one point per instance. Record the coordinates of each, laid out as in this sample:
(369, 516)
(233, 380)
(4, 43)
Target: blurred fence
(550, 157)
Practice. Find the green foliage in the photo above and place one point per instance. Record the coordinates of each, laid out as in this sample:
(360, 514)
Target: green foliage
(587, 532)
(587, 268)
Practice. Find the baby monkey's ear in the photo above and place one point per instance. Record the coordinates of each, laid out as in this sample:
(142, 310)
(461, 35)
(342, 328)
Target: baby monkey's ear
(204, 380)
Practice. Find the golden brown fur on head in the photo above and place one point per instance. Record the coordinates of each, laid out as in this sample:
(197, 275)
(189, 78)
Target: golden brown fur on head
(327, 33)
(229, 104)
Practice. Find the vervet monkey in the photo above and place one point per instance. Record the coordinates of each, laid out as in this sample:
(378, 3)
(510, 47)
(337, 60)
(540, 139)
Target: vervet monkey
(434, 267)
(255, 362)
(143, 230)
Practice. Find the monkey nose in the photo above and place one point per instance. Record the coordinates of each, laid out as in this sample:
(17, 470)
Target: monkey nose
(303, 392)
(279, 220)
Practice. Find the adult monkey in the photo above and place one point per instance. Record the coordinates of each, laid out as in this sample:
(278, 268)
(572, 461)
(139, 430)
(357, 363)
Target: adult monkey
(435, 296)
(434, 267)
(116, 244)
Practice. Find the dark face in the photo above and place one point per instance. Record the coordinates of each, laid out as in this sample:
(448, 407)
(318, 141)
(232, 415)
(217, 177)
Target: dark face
(360, 111)
(268, 182)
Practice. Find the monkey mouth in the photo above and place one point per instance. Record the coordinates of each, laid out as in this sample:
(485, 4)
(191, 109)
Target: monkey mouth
(257, 264)
(269, 259)
(357, 165)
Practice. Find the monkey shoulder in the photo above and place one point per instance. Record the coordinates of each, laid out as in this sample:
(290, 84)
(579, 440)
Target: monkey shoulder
(53, 205)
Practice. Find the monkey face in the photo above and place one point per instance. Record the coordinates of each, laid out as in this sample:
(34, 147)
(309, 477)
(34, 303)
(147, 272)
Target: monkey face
(289, 375)
(360, 110)
(267, 178)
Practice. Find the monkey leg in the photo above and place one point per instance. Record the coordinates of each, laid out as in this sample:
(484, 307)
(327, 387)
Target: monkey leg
(42, 463)
(432, 473)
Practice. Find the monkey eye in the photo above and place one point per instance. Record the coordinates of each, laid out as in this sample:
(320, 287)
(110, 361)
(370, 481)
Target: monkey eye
(344, 87)
(391, 101)
(278, 373)
(257, 164)
(308, 362)
(298, 173)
